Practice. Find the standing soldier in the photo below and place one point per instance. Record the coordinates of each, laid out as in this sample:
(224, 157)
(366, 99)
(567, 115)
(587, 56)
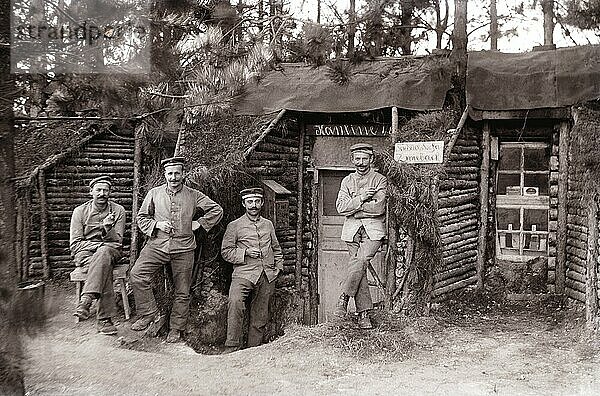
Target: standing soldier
(361, 199)
(166, 218)
(251, 246)
(96, 239)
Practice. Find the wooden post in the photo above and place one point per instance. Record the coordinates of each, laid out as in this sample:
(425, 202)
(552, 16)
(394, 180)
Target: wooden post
(137, 159)
(19, 242)
(591, 292)
(26, 231)
(43, 223)
(483, 204)
(300, 214)
(313, 271)
(561, 227)
(435, 190)
(390, 257)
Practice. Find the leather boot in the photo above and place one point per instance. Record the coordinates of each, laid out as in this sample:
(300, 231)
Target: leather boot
(342, 306)
(83, 308)
(364, 321)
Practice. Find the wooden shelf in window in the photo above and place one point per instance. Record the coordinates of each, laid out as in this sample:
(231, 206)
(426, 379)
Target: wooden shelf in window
(527, 201)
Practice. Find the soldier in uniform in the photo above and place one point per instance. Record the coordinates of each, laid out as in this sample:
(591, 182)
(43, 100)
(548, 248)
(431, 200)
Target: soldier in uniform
(250, 244)
(96, 239)
(361, 199)
(166, 218)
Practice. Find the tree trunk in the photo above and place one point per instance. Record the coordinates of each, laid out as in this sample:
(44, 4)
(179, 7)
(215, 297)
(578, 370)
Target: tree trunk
(548, 11)
(351, 28)
(493, 26)
(459, 46)
(408, 7)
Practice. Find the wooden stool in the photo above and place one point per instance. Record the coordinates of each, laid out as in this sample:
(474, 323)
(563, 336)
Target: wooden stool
(119, 274)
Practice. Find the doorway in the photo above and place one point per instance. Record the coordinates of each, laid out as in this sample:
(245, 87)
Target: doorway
(332, 253)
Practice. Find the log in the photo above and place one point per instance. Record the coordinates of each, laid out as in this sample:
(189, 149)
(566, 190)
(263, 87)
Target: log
(455, 286)
(299, 212)
(26, 231)
(572, 250)
(265, 170)
(454, 279)
(19, 243)
(43, 223)
(576, 276)
(458, 218)
(575, 294)
(577, 243)
(445, 211)
(458, 226)
(454, 252)
(579, 228)
(105, 163)
(459, 256)
(591, 282)
(259, 155)
(264, 133)
(459, 149)
(578, 266)
(460, 243)
(483, 204)
(462, 170)
(459, 263)
(448, 184)
(458, 237)
(457, 192)
(458, 200)
(314, 263)
(440, 276)
(575, 285)
(456, 134)
(108, 149)
(462, 162)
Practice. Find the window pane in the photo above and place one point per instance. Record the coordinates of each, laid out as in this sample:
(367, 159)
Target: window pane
(509, 242)
(509, 184)
(534, 244)
(331, 185)
(508, 219)
(537, 218)
(510, 158)
(538, 181)
(537, 158)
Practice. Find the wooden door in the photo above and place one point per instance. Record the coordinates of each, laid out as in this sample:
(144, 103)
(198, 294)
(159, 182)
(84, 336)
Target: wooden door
(333, 255)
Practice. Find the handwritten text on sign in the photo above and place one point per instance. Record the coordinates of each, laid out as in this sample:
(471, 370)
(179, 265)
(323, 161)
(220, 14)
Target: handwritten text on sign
(420, 152)
(348, 130)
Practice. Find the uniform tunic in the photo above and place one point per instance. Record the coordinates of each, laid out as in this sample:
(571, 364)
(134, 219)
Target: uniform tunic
(97, 250)
(244, 233)
(251, 276)
(370, 214)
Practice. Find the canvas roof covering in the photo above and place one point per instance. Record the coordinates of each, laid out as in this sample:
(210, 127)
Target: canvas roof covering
(415, 83)
(533, 80)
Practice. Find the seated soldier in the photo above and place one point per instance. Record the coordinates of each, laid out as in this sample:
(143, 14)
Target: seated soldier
(96, 239)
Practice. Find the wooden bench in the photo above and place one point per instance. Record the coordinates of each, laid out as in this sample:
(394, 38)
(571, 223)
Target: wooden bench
(119, 274)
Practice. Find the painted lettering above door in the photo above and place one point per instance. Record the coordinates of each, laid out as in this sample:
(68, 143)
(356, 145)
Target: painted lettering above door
(348, 130)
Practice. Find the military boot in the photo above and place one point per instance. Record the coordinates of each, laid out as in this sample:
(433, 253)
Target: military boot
(342, 306)
(83, 308)
(364, 321)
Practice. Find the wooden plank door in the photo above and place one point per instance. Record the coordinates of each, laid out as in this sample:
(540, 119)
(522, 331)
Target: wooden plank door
(333, 255)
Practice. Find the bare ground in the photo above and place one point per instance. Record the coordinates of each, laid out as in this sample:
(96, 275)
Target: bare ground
(462, 350)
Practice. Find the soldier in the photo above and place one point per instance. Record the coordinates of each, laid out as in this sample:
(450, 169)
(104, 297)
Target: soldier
(96, 239)
(361, 199)
(166, 218)
(251, 246)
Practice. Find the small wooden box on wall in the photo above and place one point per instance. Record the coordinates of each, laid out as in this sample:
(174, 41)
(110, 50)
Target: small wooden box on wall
(277, 204)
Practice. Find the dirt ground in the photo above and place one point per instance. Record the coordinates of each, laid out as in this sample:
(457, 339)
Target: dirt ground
(461, 350)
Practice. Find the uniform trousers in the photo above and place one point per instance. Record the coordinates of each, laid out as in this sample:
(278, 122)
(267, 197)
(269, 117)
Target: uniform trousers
(239, 291)
(99, 282)
(150, 261)
(361, 250)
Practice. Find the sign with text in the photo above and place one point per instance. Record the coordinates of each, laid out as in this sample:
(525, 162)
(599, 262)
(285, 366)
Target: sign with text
(420, 152)
(348, 130)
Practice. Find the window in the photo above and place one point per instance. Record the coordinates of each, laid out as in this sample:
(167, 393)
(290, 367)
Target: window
(522, 200)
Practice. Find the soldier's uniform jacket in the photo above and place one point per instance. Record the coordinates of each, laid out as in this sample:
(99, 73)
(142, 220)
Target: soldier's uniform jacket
(244, 233)
(370, 214)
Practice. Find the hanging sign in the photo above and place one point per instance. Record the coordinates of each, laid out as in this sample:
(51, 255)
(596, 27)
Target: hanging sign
(348, 130)
(420, 152)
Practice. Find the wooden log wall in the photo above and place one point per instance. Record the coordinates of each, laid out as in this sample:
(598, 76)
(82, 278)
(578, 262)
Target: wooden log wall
(577, 238)
(66, 186)
(458, 214)
(276, 158)
(553, 212)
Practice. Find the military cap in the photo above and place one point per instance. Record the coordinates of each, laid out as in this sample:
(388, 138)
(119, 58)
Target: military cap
(101, 179)
(177, 160)
(362, 148)
(254, 192)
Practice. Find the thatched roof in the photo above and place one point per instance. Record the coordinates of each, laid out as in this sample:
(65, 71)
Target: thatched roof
(533, 80)
(412, 83)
